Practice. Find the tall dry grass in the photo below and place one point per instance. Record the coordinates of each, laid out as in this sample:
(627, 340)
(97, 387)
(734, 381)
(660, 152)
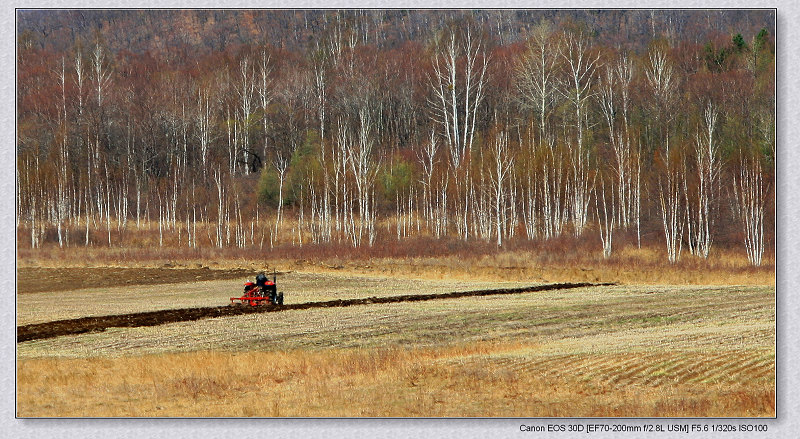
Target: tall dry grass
(565, 261)
(452, 381)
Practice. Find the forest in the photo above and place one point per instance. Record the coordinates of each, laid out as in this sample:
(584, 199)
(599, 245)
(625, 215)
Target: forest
(263, 129)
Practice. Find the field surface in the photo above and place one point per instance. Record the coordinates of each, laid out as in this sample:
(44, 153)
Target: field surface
(109, 295)
(623, 350)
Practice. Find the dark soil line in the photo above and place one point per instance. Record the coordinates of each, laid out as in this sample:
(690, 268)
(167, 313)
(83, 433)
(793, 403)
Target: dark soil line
(96, 324)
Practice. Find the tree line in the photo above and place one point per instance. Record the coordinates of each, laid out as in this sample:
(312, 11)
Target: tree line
(460, 134)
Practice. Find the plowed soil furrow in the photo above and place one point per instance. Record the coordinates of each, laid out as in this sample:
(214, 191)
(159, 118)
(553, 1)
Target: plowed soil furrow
(153, 318)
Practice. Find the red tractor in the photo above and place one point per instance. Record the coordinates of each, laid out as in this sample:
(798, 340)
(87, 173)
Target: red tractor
(262, 292)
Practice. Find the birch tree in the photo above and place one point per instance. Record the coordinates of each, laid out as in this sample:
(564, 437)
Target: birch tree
(580, 66)
(538, 84)
(101, 79)
(245, 90)
(614, 97)
(427, 158)
(536, 74)
(319, 86)
(663, 84)
(80, 78)
(749, 192)
(204, 123)
(364, 169)
(458, 89)
(341, 165)
(672, 178)
(265, 93)
(101, 73)
(458, 92)
(499, 174)
(607, 221)
(699, 215)
(62, 177)
(671, 185)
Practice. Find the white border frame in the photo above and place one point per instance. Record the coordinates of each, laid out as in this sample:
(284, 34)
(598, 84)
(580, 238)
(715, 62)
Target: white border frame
(788, 302)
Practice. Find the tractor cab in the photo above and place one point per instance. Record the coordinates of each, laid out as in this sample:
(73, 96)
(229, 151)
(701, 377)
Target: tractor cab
(265, 285)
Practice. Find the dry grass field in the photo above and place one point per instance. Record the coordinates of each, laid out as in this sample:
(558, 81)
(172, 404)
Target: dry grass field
(559, 263)
(625, 350)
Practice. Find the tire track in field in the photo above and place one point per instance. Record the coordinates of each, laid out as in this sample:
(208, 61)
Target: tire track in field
(756, 369)
(152, 318)
(669, 371)
(713, 365)
(606, 368)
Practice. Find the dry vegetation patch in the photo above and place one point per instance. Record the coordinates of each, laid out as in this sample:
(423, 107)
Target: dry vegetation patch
(461, 380)
(562, 260)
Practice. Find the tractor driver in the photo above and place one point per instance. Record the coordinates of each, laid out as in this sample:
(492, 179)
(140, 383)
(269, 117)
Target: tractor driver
(261, 282)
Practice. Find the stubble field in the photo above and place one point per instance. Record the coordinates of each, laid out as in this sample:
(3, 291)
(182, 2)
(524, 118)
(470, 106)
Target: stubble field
(622, 350)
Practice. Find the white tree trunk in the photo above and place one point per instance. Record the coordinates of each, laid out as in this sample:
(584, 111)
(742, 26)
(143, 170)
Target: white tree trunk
(749, 193)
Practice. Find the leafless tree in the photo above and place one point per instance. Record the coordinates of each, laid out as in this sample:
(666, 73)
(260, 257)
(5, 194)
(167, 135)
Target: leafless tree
(708, 167)
(265, 93)
(204, 123)
(245, 89)
(581, 62)
(319, 85)
(364, 169)
(614, 102)
(670, 184)
(664, 84)
(607, 222)
(79, 79)
(101, 73)
(427, 158)
(62, 201)
(536, 74)
(749, 192)
(499, 174)
(458, 93)
(458, 90)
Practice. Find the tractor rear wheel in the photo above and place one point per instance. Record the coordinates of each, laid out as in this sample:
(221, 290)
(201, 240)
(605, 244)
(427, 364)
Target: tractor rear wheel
(280, 298)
